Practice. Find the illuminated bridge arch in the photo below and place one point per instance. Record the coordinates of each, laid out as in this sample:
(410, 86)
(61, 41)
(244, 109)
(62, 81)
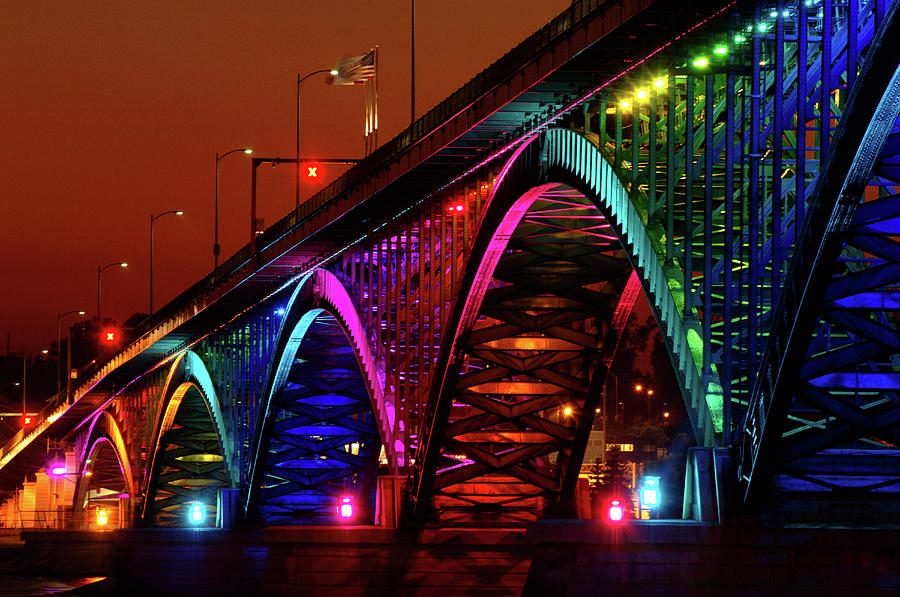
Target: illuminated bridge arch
(323, 416)
(523, 372)
(191, 456)
(105, 474)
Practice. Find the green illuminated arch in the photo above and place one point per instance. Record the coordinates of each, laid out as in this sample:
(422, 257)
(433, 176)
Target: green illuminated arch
(570, 158)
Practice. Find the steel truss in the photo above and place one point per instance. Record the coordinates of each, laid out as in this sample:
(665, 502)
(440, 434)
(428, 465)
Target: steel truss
(716, 172)
(528, 374)
(322, 443)
(189, 467)
(824, 411)
(722, 143)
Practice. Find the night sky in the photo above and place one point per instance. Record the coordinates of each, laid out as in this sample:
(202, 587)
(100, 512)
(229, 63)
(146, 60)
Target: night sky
(112, 111)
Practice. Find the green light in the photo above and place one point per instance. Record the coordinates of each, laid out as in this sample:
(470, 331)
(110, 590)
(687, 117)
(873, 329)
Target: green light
(720, 50)
(739, 38)
(773, 14)
(763, 27)
(701, 62)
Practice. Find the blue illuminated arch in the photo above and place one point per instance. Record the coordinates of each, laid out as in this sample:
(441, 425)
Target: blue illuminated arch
(319, 299)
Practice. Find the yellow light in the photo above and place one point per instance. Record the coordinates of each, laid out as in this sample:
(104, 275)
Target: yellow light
(101, 516)
(659, 83)
(701, 62)
(597, 410)
(649, 392)
(642, 94)
(567, 411)
(248, 151)
(638, 387)
(626, 104)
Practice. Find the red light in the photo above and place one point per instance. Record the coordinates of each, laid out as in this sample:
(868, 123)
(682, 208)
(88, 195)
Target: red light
(457, 207)
(27, 421)
(110, 336)
(312, 171)
(616, 512)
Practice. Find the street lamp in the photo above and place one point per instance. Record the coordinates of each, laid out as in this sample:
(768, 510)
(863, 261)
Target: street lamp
(59, 317)
(219, 158)
(300, 80)
(153, 218)
(100, 270)
(26, 420)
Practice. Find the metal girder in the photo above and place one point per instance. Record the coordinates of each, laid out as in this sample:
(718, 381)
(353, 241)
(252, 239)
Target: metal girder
(830, 263)
(321, 440)
(524, 375)
(189, 468)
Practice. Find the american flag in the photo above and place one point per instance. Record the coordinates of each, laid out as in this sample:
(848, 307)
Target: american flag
(356, 70)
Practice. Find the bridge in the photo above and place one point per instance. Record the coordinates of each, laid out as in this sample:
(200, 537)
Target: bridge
(429, 337)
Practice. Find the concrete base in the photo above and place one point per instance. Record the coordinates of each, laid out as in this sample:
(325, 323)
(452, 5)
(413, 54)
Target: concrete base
(666, 558)
(152, 561)
(553, 559)
(370, 561)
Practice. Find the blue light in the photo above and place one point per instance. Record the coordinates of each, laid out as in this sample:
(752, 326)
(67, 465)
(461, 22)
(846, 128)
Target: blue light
(196, 513)
(650, 493)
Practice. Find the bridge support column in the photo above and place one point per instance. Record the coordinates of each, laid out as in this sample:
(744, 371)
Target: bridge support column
(705, 484)
(228, 507)
(389, 500)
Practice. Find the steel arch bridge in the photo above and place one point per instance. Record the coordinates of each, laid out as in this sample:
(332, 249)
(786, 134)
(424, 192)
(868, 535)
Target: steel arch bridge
(447, 312)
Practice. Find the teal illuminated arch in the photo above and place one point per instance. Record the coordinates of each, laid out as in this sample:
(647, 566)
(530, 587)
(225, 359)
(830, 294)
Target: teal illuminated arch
(570, 158)
(188, 372)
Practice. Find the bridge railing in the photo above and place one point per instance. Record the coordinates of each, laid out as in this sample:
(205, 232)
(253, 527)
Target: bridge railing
(489, 78)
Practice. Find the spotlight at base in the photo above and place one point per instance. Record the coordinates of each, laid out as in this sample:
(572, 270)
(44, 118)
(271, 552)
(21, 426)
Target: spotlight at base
(345, 509)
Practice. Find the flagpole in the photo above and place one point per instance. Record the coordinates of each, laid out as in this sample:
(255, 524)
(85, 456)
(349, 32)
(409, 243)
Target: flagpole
(375, 117)
(297, 154)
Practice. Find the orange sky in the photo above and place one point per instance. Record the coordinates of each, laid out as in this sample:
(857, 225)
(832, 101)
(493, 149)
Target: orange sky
(111, 111)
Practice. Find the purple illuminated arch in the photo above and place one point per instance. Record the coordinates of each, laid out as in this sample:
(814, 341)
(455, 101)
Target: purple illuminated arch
(319, 292)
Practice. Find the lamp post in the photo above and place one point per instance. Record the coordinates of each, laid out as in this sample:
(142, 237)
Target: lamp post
(300, 80)
(25, 386)
(219, 158)
(59, 317)
(153, 218)
(615, 379)
(100, 270)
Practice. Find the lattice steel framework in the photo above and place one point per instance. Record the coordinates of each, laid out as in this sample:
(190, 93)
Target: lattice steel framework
(704, 159)
(821, 438)
(528, 372)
